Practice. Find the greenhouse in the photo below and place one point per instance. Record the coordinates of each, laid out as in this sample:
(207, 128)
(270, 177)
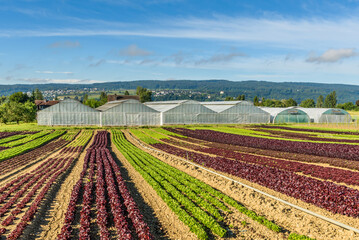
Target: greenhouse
(328, 115)
(237, 112)
(183, 112)
(68, 112)
(128, 112)
(287, 115)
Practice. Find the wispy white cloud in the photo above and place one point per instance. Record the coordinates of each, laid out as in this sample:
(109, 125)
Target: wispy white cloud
(134, 51)
(52, 72)
(65, 44)
(222, 57)
(280, 32)
(332, 55)
(50, 80)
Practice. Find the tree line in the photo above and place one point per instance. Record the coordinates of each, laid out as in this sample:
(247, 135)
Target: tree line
(330, 101)
(19, 107)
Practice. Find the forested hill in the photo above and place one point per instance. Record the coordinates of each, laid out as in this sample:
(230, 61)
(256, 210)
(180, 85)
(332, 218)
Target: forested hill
(272, 90)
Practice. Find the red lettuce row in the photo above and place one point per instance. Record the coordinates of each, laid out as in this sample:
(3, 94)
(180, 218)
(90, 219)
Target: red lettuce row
(328, 195)
(345, 151)
(326, 173)
(108, 187)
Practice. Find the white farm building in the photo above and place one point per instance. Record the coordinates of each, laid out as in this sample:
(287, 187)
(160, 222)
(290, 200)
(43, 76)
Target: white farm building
(183, 112)
(131, 112)
(68, 112)
(327, 115)
(128, 112)
(237, 112)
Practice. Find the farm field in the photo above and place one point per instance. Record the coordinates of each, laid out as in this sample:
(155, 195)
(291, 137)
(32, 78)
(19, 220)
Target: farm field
(179, 182)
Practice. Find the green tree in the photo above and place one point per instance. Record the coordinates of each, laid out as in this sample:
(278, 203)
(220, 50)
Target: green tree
(29, 113)
(290, 102)
(37, 95)
(2, 99)
(19, 97)
(103, 98)
(346, 106)
(92, 103)
(229, 98)
(144, 94)
(85, 98)
(307, 103)
(241, 97)
(330, 100)
(256, 101)
(4, 113)
(127, 93)
(320, 101)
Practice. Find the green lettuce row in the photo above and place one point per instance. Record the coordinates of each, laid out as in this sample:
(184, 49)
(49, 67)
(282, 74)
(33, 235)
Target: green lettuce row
(143, 136)
(12, 152)
(82, 139)
(70, 135)
(11, 138)
(29, 138)
(165, 132)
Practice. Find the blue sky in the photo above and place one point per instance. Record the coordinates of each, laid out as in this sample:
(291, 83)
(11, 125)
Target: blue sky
(123, 40)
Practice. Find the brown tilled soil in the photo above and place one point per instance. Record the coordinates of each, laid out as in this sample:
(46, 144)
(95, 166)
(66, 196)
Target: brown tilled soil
(285, 216)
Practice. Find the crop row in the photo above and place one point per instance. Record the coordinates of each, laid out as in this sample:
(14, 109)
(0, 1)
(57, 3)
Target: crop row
(262, 133)
(312, 130)
(80, 142)
(12, 138)
(326, 173)
(98, 161)
(12, 152)
(8, 134)
(26, 158)
(306, 136)
(24, 190)
(70, 135)
(269, 153)
(344, 151)
(28, 138)
(328, 195)
(177, 188)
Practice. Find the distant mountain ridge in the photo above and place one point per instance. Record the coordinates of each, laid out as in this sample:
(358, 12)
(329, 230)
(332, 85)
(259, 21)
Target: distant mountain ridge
(273, 90)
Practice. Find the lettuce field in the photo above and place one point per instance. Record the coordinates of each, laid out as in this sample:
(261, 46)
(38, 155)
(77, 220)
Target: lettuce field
(179, 182)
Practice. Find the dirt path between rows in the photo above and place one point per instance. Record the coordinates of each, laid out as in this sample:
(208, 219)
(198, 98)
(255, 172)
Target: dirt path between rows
(288, 217)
